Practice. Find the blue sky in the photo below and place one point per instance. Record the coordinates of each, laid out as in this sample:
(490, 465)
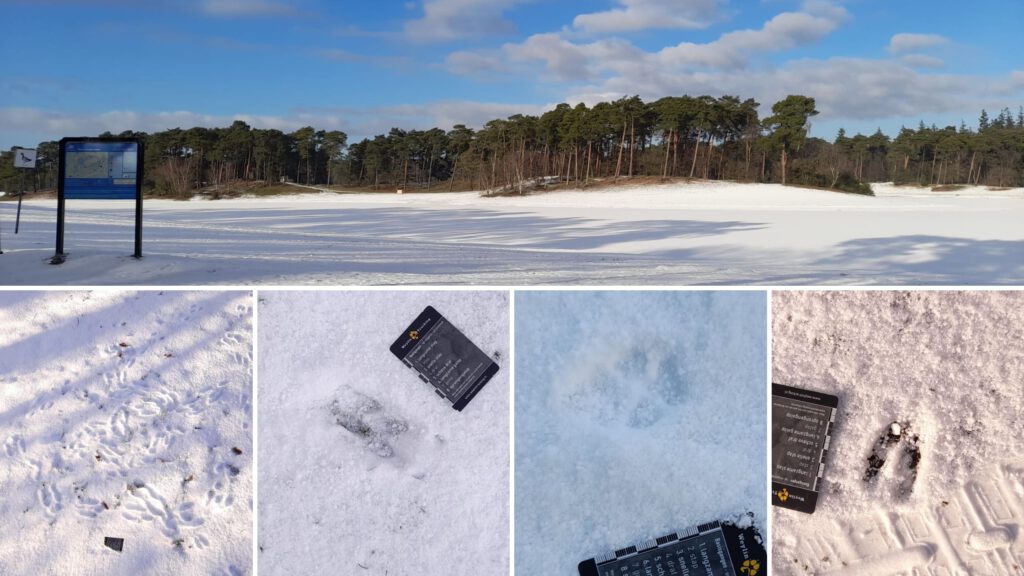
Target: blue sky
(78, 67)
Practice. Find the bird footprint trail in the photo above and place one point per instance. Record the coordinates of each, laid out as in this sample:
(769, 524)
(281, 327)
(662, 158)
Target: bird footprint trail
(977, 530)
(51, 499)
(145, 504)
(127, 432)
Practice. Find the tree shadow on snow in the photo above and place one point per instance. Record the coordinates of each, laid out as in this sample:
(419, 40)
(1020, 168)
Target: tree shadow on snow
(931, 260)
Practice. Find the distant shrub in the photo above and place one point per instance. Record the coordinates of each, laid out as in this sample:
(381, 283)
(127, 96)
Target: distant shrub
(846, 182)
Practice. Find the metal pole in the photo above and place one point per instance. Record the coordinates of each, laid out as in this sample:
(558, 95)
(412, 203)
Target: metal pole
(138, 202)
(58, 257)
(17, 220)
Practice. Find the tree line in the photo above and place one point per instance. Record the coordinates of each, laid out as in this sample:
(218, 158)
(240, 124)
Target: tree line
(705, 137)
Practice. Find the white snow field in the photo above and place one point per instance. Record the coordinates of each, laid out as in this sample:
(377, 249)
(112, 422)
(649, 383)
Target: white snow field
(674, 234)
(638, 414)
(950, 365)
(363, 469)
(126, 415)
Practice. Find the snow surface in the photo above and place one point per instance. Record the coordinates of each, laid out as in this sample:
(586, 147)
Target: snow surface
(951, 366)
(120, 413)
(332, 499)
(637, 414)
(700, 233)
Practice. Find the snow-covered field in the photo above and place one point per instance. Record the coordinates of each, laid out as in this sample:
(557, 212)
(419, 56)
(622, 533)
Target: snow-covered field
(126, 415)
(950, 367)
(637, 414)
(704, 233)
(414, 488)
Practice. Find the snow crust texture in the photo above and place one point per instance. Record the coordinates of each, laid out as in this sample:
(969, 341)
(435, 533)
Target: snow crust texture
(637, 414)
(126, 415)
(932, 383)
(364, 469)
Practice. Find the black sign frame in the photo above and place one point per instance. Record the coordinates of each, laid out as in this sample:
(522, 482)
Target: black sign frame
(59, 255)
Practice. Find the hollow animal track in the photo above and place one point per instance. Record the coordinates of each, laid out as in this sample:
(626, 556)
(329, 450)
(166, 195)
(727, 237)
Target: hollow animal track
(625, 384)
(365, 418)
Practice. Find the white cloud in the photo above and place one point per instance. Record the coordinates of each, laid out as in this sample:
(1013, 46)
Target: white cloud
(637, 15)
(843, 88)
(564, 60)
(246, 8)
(907, 42)
(55, 124)
(32, 125)
(475, 63)
(446, 20)
(922, 61)
(443, 114)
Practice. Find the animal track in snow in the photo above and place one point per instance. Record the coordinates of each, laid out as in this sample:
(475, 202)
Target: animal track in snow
(89, 507)
(365, 418)
(14, 446)
(236, 345)
(144, 504)
(628, 384)
(219, 496)
(51, 499)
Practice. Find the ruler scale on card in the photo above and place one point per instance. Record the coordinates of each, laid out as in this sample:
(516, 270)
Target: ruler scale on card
(712, 549)
(802, 422)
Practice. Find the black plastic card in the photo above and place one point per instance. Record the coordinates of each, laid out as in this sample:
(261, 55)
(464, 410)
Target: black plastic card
(714, 549)
(802, 422)
(444, 358)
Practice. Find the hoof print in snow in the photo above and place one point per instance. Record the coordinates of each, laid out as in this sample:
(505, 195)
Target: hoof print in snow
(115, 544)
(364, 417)
(896, 433)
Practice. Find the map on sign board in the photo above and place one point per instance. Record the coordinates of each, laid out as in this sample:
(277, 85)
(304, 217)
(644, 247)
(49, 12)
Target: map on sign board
(24, 158)
(96, 170)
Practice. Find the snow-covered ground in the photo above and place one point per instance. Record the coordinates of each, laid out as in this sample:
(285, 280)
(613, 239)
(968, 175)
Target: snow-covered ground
(126, 415)
(702, 233)
(950, 365)
(414, 487)
(637, 414)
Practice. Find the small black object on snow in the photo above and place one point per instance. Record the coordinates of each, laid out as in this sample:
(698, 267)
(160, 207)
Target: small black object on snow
(116, 544)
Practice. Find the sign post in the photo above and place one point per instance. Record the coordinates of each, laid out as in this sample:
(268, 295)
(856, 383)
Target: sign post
(99, 169)
(23, 158)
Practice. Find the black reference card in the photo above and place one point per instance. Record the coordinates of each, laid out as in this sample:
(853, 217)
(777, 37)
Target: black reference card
(444, 358)
(714, 549)
(802, 422)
